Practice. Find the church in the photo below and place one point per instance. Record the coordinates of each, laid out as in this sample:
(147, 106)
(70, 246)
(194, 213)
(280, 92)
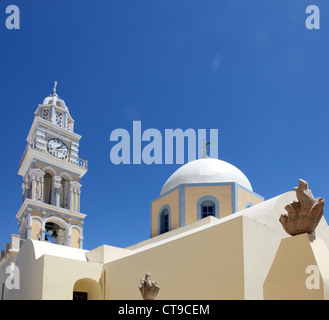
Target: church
(211, 236)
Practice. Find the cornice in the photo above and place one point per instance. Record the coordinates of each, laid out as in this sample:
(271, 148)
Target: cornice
(49, 209)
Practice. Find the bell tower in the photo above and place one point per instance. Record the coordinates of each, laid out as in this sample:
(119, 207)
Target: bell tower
(51, 171)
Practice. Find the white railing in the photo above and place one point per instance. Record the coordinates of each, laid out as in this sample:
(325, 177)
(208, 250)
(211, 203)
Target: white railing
(75, 161)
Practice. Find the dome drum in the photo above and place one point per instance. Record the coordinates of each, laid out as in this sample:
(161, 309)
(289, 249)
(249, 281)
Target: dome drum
(201, 188)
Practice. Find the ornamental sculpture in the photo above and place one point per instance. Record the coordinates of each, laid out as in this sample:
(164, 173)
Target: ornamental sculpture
(148, 288)
(304, 215)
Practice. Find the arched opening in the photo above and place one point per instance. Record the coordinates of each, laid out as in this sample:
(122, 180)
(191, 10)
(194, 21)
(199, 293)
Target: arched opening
(207, 206)
(164, 220)
(47, 194)
(56, 231)
(87, 289)
(207, 209)
(65, 193)
(65, 190)
(248, 205)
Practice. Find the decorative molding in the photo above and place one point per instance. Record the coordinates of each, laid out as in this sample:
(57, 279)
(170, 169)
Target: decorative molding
(49, 209)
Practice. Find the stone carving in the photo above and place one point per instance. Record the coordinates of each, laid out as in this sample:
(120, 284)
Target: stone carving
(148, 288)
(304, 215)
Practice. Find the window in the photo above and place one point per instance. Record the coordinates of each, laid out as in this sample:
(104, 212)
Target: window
(164, 221)
(59, 118)
(207, 209)
(80, 295)
(45, 113)
(248, 205)
(208, 206)
(68, 124)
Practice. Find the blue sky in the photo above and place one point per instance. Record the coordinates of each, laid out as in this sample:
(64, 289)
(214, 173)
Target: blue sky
(250, 69)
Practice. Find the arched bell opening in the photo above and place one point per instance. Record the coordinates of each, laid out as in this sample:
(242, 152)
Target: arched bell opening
(56, 231)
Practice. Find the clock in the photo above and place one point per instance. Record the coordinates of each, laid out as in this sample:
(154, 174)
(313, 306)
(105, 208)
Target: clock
(57, 148)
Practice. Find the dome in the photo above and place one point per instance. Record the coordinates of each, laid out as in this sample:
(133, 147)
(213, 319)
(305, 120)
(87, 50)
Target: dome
(54, 109)
(54, 99)
(206, 170)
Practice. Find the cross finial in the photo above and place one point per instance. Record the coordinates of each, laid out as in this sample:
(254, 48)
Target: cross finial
(204, 148)
(55, 86)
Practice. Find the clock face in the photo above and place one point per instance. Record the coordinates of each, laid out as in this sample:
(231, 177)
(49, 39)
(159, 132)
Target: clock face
(57, 148)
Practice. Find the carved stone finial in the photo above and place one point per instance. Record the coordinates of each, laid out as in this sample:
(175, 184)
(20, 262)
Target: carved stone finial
(148, 288)
(304, 215)
(204, 148)
(55, 87)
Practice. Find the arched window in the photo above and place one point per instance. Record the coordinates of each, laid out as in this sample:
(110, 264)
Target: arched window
(207, 209)
(164, 222)
(207, 206)
(248, 205)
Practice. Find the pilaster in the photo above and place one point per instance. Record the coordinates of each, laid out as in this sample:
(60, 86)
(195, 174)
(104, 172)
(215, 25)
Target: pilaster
(56, 187)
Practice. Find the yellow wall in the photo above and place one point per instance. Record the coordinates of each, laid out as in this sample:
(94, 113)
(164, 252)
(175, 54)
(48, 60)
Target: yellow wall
(193, 194)
(244, 197)
(36, 229)
(60, 277)
(203, 265)
(75, 238)
(172, 200)
(287, 277)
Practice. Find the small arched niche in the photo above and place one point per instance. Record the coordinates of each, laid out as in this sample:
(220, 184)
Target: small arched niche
(87, 289)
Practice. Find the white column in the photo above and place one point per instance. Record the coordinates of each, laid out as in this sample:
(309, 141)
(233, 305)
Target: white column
(78, 200)
(33, 197)
(43, 229)
(69, 233)
(71, 198)
(42, 189)
(75, 199)
(36, 177)
(75, 196)
(52, 114)
(56, 186)
(28, 223)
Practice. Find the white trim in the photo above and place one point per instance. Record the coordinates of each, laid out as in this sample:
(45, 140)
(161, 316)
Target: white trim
(49, 209)
(66, 174)
(32, 154)
(48, 168)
